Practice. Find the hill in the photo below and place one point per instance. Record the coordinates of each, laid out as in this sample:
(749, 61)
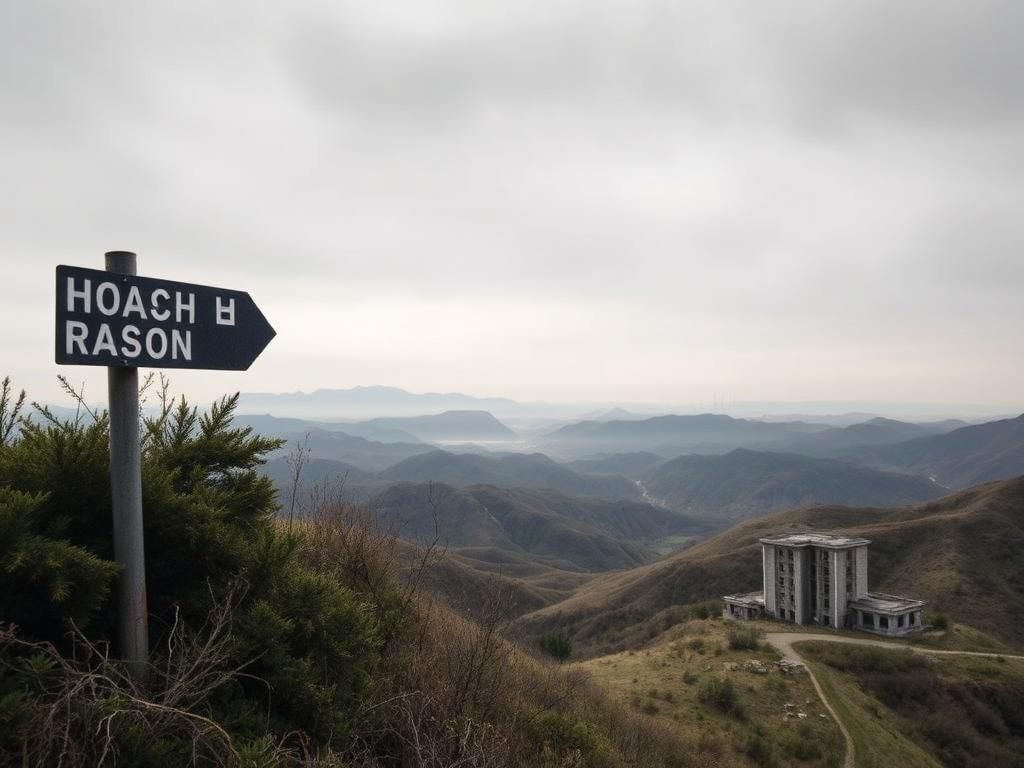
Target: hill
(746, 483)
(447, 426)
(507, 527)
(671, 435)
(516, 470)
(631, 465)
(957, 459)
(876, 431)
(960, 552)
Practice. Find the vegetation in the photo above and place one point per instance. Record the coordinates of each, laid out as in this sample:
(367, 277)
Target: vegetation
(670, 680)
(743, 638)
(963, 710)
(556, 645)
(273, 643)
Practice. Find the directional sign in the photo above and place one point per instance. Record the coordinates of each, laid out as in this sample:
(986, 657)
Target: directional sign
(125, 321)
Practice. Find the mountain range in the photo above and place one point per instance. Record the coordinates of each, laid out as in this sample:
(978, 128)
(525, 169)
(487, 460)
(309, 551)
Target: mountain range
(745, 483)
(958, 459)
(503, 525)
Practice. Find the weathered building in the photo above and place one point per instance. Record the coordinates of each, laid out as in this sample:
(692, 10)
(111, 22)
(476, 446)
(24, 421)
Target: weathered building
(822, 578)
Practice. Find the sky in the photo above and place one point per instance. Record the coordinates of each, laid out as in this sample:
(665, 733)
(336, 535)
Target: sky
(642, 201)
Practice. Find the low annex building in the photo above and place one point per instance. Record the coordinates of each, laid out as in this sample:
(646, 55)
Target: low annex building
(822, 578)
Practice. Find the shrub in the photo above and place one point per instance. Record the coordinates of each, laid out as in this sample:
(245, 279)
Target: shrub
(721, 694)
(939, 621)
(556, 645)
(760, 751)
(743, 638)
(211, 540)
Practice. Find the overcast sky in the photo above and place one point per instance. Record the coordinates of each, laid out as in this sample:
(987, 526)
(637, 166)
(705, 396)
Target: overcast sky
(637, 201)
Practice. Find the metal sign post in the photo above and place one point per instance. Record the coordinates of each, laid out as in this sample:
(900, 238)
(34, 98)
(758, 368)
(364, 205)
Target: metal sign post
(126, 499)
(117, 319)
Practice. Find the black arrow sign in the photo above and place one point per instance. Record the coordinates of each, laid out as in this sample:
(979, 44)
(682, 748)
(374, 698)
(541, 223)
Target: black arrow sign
(125, 321)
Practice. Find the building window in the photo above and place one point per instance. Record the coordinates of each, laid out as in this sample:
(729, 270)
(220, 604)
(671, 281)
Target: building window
(899, 621)
(883, 622)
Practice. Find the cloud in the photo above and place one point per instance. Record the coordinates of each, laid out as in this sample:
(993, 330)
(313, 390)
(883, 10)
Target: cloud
(616, 199)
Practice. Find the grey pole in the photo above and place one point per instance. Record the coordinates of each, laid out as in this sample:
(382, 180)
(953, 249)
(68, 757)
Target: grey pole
(126, 496)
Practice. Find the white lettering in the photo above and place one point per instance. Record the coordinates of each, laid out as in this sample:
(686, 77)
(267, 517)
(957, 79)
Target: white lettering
(181, 305)
(181, 342)
(83, 294)
(225, 312)
(156, 334)
(134, 303)
(75, 332)
(130, 336)
(104, 339)
(108, 309)
(155, 311)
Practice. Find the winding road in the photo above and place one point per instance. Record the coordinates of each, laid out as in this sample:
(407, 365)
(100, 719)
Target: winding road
(783, 642)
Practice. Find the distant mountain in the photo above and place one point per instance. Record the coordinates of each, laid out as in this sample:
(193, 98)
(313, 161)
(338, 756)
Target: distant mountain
(572, 534)
(464, 426)
(507, 471)
(746, 483)
(876, 431)
(631, 465)
(957, 459)
(367, 402)
(672, 435)
(961, 553)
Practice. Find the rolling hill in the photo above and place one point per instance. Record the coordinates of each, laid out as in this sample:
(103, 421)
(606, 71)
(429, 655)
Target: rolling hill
(671, 435)
(746, 483)
(960, 552)
(957, 459)
(877, 431)
(517, 470)
(489, 524)
(448, 426)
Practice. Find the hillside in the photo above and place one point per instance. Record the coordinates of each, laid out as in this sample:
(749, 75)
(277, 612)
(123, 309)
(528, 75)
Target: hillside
(671, 435)
(746, 483)
(960, 552)
(447, 426)
(505, 527)
(876, 431)
(957, 459)
(507, 471)
(631, 465)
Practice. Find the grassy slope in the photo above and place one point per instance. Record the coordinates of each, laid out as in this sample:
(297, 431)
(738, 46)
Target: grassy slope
(917, 710)
(652, 680)
(878, 742)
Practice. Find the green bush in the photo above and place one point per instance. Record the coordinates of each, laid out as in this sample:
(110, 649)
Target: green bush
(556, 645)
(305, 645)
(939, 621)
(721, 694)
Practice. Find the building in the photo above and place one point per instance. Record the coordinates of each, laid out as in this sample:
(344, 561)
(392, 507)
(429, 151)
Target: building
(822, 578)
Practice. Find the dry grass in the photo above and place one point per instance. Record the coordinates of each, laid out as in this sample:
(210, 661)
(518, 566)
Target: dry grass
(450, 690)
(665, 680)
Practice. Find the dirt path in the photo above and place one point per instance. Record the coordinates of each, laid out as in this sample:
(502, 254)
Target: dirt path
(783, 642)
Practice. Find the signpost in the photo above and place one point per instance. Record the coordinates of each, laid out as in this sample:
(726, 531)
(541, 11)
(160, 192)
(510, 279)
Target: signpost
(124, 322)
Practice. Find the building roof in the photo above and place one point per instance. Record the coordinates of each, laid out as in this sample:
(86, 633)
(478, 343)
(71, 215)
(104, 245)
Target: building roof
(816, 539)
(883, 603)
(747, 598)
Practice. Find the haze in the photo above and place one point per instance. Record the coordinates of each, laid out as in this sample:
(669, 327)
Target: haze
(636, 202)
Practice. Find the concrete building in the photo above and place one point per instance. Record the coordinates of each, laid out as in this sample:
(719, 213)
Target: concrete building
(822, 578)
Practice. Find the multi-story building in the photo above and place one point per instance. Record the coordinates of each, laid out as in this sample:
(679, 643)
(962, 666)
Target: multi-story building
(822, 578)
